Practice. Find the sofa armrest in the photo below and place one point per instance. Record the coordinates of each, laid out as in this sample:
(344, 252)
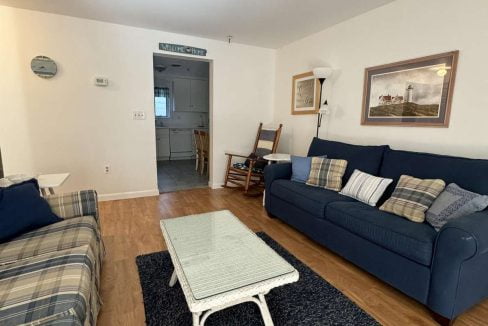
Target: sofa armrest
(277, 171)
(74, 204)
(459, 266)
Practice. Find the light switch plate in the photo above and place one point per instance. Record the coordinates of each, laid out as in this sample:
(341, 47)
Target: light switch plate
(138, 115)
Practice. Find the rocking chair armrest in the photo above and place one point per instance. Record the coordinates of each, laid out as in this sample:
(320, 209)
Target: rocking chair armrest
(238, 155)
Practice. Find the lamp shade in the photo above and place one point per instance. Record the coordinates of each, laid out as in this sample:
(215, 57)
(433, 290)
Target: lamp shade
(322, 72)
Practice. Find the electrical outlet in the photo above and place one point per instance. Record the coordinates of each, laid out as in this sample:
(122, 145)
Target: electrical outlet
(138, 115)
(107, 169)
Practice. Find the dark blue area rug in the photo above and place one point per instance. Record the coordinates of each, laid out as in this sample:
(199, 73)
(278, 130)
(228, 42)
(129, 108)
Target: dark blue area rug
(311, 301)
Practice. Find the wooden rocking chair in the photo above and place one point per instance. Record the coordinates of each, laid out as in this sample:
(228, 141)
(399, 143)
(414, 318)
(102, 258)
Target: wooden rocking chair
(249, 174)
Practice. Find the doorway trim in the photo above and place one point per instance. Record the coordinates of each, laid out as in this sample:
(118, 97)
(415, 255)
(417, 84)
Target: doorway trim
(210, 110)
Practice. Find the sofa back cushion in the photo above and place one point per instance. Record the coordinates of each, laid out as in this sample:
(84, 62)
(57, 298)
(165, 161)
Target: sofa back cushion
(470, 174)
(364, 158)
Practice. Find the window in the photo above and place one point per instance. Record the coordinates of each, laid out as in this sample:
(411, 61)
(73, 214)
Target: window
(161, 102)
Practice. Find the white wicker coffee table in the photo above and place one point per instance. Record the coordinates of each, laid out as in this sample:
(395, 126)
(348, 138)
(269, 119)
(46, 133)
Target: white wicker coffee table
(219, 263)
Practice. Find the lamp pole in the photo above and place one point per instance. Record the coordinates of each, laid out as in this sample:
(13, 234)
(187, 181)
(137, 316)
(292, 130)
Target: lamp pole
(319, 115)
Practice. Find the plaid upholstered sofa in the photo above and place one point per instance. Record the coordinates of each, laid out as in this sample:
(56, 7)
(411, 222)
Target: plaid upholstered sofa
(51, 276)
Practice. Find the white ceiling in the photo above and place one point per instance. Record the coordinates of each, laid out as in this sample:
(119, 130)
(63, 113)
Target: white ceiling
(186, 67)
(266, 23)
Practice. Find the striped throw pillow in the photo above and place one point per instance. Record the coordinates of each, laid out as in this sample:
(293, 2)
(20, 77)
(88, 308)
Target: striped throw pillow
(326, 173)
(412, 197)
(365, 187)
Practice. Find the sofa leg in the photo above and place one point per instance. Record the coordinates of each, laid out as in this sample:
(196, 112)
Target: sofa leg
(270, 215)
(441, 320)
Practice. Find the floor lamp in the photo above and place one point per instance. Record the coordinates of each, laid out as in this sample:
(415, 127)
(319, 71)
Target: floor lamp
(1, 166)
(321, 73)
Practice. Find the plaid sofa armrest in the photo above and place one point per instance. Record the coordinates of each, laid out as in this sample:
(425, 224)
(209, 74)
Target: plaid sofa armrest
(74, 204)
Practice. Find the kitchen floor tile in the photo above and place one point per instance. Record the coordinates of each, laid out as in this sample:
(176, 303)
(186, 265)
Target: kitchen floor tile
(179, 175)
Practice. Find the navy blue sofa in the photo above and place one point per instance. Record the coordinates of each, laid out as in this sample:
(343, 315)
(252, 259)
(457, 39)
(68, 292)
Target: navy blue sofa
(446, 270)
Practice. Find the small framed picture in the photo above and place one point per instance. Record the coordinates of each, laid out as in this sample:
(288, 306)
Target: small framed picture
(305, 94)
(412, 93)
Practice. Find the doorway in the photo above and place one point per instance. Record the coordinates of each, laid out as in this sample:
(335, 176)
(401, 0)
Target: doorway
(181, 109)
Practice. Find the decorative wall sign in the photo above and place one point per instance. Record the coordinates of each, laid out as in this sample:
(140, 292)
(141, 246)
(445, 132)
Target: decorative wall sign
(305, 94)
(44, 67)
(182, 49)
(414, 92)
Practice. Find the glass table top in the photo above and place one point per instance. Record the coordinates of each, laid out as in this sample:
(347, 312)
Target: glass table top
(218, 253)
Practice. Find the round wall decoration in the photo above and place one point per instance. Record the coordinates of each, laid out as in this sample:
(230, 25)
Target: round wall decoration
(44, 67)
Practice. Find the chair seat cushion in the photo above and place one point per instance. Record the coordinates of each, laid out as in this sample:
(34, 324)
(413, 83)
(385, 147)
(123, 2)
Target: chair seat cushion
(46, 288)
(63, 235)
(242, 166)
(414, 241)
(311, 199)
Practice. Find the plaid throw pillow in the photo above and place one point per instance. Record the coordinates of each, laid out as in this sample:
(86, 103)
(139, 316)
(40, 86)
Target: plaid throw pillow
(412, 197)
(326, 173)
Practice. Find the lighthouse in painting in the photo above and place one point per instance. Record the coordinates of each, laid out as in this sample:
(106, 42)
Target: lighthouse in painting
(409, 94)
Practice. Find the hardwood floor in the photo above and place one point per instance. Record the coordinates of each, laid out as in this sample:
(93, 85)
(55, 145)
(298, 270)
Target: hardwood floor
(131, 228)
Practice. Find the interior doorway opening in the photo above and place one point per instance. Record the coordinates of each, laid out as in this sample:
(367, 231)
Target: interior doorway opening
(182, 121)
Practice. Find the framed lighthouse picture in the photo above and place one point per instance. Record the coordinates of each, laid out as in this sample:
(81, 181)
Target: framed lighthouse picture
(415, 92)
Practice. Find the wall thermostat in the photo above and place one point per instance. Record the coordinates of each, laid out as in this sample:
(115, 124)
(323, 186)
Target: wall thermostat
(101, 81)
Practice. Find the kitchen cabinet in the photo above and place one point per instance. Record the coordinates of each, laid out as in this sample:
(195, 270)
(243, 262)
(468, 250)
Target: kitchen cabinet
(162, 143)
(181, 94)
(199, 95)
(190, 95)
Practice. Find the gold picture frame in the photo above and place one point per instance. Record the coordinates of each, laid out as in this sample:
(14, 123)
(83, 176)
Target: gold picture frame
(410, 93)
(305, 94)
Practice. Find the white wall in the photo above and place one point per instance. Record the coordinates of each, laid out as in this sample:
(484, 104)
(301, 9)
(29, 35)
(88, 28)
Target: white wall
(67, 124)
(404, 29)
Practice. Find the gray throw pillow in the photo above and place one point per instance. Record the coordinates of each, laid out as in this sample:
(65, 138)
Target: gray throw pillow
(452, 203)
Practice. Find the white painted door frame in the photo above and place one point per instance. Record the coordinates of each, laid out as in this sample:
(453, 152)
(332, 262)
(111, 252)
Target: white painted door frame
(210, 109)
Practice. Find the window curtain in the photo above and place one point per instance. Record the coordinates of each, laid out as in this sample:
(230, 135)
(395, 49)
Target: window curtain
(161, 92)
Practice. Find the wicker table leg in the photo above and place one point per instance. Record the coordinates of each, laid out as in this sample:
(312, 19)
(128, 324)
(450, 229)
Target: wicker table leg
(199, 318)
(263, 306)
(173, 279)
(196, 319)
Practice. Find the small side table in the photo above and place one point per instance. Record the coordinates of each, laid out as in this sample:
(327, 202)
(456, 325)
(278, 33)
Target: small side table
(47, 182)
(276, 158)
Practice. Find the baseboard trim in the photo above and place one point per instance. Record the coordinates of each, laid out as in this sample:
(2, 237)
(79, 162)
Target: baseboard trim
(215, 185)
(128, 195)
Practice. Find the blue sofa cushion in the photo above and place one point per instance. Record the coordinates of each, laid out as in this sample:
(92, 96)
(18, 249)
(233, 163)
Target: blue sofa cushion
(310, 199)
(300, 167)
(23, 209)
(469, 174)
(365, 158)
(414, 241)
